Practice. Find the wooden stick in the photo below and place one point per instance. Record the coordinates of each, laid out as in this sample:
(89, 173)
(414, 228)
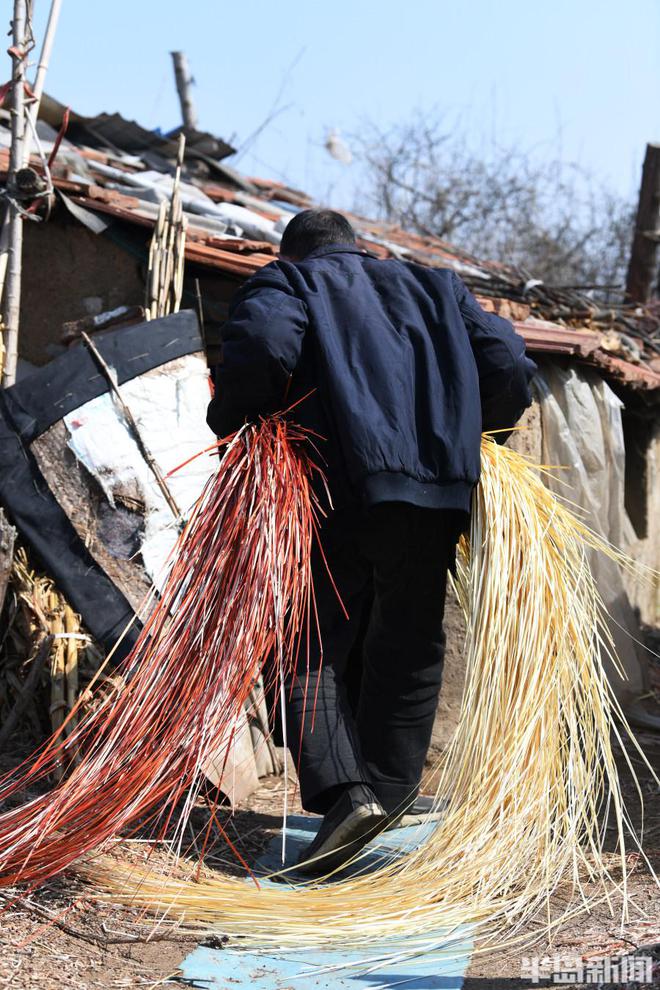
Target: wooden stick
(200, 308)
(57, 673)
(71, 628)
(133, 427)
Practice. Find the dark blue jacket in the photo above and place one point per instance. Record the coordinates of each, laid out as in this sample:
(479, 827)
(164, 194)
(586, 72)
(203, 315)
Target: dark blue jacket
(407, 371)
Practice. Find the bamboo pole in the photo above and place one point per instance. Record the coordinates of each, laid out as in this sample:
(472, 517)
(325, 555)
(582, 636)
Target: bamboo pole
(200, 309)
(12, 302)
(164, 286)
(40, 76)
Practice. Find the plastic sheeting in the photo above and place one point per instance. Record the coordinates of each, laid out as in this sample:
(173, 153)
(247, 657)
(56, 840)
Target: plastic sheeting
(583, 437)
(218, 969)
(169, 406)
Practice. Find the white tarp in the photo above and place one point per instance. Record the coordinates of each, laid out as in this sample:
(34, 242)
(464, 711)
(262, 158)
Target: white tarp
(583, 435)
(169, 407)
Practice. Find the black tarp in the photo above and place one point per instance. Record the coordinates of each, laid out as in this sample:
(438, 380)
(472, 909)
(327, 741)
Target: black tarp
(31, 407)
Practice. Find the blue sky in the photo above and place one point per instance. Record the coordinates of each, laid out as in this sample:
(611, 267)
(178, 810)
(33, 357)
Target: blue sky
(578, 78)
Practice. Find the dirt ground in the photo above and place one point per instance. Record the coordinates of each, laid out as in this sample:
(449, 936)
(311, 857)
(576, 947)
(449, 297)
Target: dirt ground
(47, 944)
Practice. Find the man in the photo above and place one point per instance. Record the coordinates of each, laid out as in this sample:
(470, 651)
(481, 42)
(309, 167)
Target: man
(405, 370)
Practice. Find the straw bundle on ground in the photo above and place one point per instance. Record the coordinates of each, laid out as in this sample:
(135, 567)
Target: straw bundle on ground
(525, 778)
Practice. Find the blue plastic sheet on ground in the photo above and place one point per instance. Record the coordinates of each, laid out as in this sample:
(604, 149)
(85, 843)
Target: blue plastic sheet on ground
(225, 969)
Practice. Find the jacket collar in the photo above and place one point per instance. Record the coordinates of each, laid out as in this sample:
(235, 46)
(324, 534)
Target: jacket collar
(337, 249)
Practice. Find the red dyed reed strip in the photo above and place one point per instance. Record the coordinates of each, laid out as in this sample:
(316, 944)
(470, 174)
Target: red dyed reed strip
(238, 590)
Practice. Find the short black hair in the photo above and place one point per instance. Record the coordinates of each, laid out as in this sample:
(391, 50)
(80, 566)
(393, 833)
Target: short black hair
(313, 229)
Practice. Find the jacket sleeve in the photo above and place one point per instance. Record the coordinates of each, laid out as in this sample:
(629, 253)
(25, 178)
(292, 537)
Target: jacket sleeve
(504, 369)
(261, 346)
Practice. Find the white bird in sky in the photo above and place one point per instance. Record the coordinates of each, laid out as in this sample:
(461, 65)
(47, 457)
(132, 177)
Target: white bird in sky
(337, 147)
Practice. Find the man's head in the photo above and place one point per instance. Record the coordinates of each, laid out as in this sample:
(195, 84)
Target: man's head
(314, 229)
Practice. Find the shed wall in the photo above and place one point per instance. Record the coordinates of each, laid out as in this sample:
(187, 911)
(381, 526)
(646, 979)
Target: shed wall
(68, 273)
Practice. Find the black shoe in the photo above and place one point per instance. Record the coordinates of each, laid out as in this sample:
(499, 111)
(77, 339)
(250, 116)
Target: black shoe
(354, 819)
(423, 809)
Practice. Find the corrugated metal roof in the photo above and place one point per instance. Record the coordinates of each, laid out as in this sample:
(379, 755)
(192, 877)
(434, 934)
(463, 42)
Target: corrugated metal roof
(114, 148)
(114, 132)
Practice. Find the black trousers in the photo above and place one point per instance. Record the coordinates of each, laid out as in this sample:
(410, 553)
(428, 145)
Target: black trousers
(373, 725)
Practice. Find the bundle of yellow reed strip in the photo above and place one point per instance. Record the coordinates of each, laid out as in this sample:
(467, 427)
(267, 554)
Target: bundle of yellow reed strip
(526, 779)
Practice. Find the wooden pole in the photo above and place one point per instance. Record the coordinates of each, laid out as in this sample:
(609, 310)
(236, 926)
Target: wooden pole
(643, 267)
(32, 114)
(183, 84)
(12, 300)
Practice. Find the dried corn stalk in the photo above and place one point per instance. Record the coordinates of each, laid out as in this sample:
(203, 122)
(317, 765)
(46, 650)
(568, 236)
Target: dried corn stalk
(40, 610)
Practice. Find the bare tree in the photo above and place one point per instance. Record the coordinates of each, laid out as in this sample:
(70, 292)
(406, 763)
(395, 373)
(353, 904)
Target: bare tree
(550, 219)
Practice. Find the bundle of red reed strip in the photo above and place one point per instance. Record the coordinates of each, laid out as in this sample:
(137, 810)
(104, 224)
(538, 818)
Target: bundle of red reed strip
(238, 590)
